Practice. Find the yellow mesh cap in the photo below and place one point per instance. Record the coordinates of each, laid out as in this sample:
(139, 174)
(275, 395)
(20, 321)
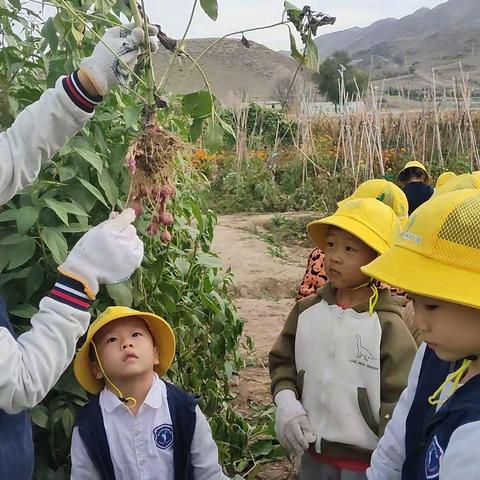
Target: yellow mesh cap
(438, 254)
(467, 181)
(385, 191)
(415, 164)
(444, 178)
(373, 222)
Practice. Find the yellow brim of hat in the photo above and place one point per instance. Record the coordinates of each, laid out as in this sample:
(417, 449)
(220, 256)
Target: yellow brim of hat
(411, 271)
(161, 331)
(318, 231)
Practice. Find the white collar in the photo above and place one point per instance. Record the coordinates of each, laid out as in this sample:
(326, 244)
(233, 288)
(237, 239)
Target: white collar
(154, 399)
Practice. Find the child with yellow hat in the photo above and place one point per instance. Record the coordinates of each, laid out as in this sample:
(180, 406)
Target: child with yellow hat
(343, 356)
(137, 425)
(435, 430)
(415, 180)
(380, 189)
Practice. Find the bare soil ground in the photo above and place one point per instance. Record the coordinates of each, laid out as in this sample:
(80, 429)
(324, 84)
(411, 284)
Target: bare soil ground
(265, 287)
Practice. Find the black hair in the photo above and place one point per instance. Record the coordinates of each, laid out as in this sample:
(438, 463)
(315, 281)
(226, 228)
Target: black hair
(410, 173)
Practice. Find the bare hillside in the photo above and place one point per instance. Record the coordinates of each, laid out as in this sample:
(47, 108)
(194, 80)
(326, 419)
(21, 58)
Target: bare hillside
(230, 67)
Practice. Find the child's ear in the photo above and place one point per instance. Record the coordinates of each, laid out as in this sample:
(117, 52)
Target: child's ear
(95, 369)
(156, 356)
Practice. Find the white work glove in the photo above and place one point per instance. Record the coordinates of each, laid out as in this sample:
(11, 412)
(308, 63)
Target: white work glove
(103, 68)
(108, 253)
(291, 423)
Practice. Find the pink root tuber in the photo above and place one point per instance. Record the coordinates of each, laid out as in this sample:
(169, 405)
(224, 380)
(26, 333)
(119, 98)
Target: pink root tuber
(165, 236)
(165, 218)
(152, 229)
(166, 192)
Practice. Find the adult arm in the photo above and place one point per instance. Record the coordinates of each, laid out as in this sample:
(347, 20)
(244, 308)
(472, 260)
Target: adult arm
(31, 365)
(39, 131)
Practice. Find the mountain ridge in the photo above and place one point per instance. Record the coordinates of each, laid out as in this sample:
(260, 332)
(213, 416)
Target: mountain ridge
(411, 46)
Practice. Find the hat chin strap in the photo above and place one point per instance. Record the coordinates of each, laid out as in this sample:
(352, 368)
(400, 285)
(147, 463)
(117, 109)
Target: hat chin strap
(454, 377)
(373, 300)
(125, 400)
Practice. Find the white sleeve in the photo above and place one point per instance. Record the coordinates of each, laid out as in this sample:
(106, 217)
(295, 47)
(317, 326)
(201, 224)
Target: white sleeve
(38, 132)
(461, 459)
(388, 457)
(204, 452)
(31, 365)
(82, 466)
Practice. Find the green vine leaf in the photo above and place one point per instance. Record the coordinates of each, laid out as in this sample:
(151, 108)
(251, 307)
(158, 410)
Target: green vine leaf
(51, 34)
(22, 252)
(121, 294)
(198, 104)
(39, 416)
(56, 243)
(294, 52)
(91, 157)
(23, 310)
(291, 9)
(62, 209)
(196, 129)
(312, 58)
(93, 190)
(210, 7)
(213, 136)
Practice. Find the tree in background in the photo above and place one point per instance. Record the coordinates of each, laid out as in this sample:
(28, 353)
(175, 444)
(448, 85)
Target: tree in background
(328, 79)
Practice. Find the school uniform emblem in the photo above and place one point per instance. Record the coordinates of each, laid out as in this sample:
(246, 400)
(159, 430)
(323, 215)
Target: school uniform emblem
(433, 459)
(163, 436)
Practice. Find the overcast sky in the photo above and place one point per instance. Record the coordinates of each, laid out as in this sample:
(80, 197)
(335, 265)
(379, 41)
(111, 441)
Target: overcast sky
(235, 15)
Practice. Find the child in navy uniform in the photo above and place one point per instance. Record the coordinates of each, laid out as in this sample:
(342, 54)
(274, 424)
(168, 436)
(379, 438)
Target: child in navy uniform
(139, 426)
(435, 430)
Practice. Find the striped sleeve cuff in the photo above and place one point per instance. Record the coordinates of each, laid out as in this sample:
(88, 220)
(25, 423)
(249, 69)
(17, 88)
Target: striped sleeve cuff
(79, 96)
(70, 292)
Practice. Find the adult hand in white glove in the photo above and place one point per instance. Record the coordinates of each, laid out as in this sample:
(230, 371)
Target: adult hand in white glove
(119, 49)
(108, 253)
(291, 423)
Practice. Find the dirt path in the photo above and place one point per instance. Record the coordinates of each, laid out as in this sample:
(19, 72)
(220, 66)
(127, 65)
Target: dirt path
(265, 287)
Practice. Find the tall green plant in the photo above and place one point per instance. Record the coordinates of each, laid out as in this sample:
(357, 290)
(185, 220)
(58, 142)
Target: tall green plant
(181, 281)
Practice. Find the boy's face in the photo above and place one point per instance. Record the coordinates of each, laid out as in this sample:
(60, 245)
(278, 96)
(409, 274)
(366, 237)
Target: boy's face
(451, 330)
(344, 256)
(126, 349)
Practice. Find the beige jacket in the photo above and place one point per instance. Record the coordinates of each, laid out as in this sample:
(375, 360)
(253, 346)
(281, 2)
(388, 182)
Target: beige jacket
(396, 351)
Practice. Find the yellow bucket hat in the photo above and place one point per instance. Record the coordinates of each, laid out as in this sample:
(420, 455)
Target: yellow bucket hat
(444, 178)
(438, 254)
(385, 191)
(373, 222)
(415, 164)
(161, 331)
(467, 181)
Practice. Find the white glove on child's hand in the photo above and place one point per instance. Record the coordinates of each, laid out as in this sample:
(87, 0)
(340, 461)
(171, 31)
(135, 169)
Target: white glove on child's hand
(108, 253)
(291, 423)
(103, 68)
